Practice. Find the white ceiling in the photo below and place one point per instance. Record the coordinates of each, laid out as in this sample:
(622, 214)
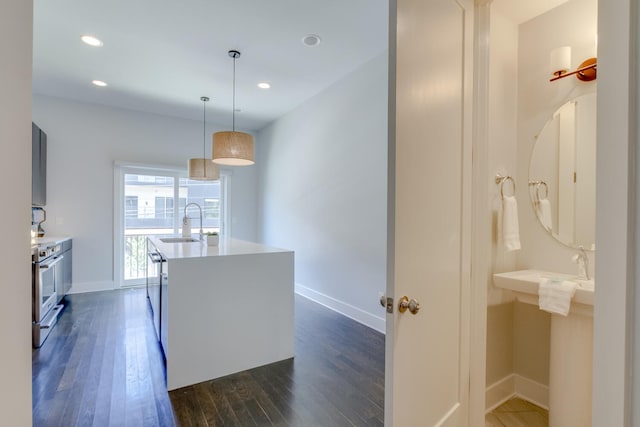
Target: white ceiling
(161, 56)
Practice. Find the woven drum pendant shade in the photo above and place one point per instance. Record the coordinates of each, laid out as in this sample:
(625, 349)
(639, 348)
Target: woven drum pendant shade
(233, 148)
(203, 170)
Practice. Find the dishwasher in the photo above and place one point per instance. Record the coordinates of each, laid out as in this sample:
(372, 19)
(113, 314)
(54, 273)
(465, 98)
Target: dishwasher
(155, 262)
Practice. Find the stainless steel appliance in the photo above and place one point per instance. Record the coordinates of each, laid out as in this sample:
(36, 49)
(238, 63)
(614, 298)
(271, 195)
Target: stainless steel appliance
(155, 266)
(47, 276)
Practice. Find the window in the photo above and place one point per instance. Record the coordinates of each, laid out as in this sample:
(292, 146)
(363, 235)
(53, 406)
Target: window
(211, 209)
(131, 206)
(145, 205)
(164, 207)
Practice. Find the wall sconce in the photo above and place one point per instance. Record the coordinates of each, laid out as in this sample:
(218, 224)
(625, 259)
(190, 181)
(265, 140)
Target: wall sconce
(561, 63)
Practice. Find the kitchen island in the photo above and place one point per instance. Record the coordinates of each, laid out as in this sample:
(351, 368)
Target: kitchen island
(224, 309)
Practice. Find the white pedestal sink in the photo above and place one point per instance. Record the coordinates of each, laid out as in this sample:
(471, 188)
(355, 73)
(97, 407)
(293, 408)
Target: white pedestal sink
(571, 358)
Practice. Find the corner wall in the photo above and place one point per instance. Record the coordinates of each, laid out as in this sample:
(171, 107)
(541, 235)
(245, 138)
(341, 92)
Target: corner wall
(84, 140)
(16, 25)
(528, 44)
(502, 146)
(322, 189)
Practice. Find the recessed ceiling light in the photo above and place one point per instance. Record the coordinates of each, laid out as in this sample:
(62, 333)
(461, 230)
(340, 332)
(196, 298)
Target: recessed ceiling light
(91, 41)
(311, 40)
(264, 85)
(98, 83)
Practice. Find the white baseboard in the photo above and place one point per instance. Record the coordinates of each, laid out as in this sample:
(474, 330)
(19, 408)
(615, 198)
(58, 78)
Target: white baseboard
(515, 385)
(499, 392)
(81, 288)
(532, 391)
(359, 315)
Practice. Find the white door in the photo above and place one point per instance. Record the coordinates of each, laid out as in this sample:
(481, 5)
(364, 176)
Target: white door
(427, 353)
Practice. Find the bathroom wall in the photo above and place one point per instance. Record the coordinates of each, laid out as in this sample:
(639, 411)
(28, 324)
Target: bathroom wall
(571, 24)
(502, 134)
(521, 101)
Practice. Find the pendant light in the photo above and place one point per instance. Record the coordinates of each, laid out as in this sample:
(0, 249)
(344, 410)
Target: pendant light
(230, 147)
(203, 169)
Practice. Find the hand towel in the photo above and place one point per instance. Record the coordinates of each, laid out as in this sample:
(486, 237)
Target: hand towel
(555, 295)
(544, 213)
(510, 227)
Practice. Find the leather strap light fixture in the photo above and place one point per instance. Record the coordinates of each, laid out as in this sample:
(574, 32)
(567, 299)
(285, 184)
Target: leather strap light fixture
(231, 147)
(203, 169)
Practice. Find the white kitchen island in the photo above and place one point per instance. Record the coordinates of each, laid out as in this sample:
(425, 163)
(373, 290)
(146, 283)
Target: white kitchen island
(224, 308)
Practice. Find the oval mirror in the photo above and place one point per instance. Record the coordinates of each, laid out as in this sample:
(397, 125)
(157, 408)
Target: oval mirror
(562, 173)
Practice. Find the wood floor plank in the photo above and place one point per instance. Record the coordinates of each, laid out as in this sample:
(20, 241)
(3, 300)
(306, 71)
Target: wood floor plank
(102, 366)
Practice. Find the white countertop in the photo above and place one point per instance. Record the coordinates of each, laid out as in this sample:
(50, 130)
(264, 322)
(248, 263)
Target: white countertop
(226, 246)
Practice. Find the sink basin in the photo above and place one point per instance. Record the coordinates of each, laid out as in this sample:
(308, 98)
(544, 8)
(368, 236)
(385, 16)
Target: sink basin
(527, 281)
(179, 239)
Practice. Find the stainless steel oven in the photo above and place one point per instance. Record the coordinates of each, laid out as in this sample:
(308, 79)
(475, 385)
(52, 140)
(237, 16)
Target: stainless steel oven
(46, 278)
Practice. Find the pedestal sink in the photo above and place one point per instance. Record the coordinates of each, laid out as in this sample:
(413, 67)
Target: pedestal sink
(571, 358)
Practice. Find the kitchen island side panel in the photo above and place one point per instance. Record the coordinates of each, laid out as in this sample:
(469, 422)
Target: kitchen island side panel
(228, 314)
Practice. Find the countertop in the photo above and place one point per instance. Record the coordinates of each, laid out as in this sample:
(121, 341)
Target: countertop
(226, 247)
(48, 240)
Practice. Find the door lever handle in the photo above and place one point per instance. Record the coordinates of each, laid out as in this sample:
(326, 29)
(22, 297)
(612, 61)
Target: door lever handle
(412, 305)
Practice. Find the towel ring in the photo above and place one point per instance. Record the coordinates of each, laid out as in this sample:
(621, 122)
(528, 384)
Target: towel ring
(500, 180)
(546, 190)
(538, 185)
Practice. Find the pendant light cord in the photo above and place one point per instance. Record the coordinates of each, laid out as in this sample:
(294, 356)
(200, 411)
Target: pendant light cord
(204, 126)
(233, 114)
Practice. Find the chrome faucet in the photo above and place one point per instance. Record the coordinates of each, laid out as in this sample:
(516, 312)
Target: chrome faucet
(583, 261)
(200, 209)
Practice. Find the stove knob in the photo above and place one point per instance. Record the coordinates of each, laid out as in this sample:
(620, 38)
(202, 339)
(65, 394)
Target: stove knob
(43, 253)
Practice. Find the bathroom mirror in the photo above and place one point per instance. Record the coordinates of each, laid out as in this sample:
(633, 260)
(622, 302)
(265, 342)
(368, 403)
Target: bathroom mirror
(562, 173)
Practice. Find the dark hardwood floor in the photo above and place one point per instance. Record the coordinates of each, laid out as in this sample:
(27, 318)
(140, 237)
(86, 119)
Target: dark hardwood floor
(102, 366)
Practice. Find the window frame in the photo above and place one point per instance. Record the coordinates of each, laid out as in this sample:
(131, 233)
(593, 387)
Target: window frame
(124, 168)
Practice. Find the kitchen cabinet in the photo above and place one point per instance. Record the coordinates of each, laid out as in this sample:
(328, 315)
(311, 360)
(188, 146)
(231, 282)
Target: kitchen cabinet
(64, 269)
(38, 166)
(155, 266)
(67, 266)
(164, 309)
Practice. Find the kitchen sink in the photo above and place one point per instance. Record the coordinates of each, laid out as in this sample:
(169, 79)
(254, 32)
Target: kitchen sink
(179, 239)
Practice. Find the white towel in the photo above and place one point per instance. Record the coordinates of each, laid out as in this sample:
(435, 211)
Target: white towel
(510, 227)
(544, 213)
(555, 295)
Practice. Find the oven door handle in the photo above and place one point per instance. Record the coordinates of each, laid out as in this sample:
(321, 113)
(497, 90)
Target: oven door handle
(50, 264)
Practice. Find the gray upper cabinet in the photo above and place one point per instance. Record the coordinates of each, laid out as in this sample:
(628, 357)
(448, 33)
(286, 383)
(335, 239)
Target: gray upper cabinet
(38, 166)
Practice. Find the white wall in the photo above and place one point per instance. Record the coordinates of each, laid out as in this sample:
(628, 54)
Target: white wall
(502, 146)
(15, 174)
(322, 191)
(84, 140)
(571, 24)
(503, 131)
(521, 101)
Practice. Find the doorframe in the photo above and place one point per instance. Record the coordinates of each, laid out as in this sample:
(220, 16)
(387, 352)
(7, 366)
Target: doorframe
(481, 225)
(616, 217)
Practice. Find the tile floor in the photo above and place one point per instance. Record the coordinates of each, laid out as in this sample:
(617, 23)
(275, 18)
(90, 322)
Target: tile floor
(517, 413)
